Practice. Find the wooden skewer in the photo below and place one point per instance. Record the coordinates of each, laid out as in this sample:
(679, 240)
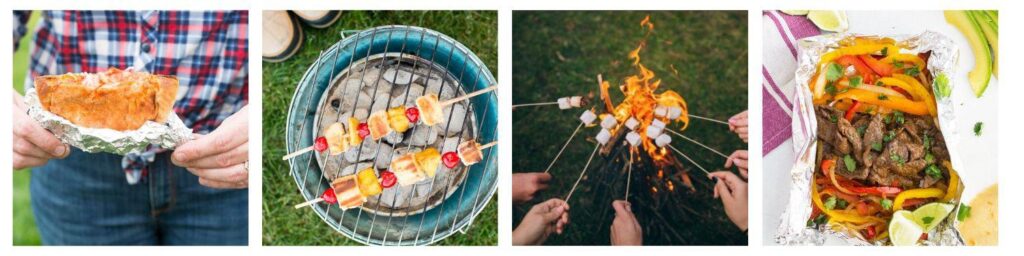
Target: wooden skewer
(708, 119)
(469, 95)
(491, 144)
(689, 159)
(534, 104)
(297, 153)
(546, 170)
(629, 174)
(584, 172)
(698, 143)
(310, 202)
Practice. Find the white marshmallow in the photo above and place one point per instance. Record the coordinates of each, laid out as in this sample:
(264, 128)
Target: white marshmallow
(608, 122)
(674, 112)
(633, 138)
(576, 101)
(663, 140)
(660, 111)
(603, 136)
(563, 103)
(658, 123)
(588, 117)
(632, 123)
(653, 131)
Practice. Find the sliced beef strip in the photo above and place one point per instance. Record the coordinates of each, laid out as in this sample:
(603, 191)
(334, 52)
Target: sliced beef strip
(883, 178)
(872, 135)
(828, 131)
(850, 134)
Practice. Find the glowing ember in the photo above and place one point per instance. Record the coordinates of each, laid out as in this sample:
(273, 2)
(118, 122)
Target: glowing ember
(641, 100)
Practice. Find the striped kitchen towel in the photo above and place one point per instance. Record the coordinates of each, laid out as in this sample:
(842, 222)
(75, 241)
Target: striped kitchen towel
(781, 32)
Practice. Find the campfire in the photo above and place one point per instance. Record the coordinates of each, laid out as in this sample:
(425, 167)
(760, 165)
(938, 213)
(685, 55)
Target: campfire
(637, 157)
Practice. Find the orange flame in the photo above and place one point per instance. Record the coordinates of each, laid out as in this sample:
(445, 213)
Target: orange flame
(641, 99)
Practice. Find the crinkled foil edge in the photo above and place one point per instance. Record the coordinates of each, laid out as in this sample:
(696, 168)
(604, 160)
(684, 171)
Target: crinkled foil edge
(94, 140)
(793, 229)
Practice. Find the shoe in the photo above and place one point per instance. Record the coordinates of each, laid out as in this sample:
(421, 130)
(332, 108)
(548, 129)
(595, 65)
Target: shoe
(318, 19)
(282, 36)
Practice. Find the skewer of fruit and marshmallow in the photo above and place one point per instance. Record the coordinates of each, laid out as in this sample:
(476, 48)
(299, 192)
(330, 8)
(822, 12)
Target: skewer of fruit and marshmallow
(414, 167)
(352, 190)
(430, 108)
(336, 138)
(427, 109)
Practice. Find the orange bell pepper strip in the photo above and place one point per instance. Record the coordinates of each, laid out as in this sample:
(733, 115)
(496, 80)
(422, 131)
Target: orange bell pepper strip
(912, 86)
(901, 104)
(881, 68)
(916, 193)
(903, 57)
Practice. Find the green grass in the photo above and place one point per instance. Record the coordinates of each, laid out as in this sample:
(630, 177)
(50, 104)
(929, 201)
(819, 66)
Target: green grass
(283, 225)
(25, 231)
(699, 54)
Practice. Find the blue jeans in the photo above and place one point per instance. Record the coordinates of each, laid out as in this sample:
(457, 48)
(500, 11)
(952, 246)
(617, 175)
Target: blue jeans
(85, 200)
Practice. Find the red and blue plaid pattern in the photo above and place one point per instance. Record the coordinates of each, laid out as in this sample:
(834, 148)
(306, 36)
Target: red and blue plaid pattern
(206, 50)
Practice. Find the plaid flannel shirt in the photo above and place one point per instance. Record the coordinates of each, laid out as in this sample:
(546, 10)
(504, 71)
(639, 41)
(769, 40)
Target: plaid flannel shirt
(207, 50)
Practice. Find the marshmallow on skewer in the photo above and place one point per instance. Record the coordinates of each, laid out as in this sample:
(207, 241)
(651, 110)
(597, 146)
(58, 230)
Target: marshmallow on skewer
(658, 123)
(588, 117)
(632, 123)
(469, 152)
(608, 122)
(660, 111)
(674, 112)
(603, 136)
(653, 131)
(346, 190)
(576, 101)
(430, 109)
(563, 103)
(378, 124)
(335, 135)
(663, 140)
(633, 138)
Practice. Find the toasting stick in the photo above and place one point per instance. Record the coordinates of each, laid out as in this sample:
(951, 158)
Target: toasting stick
(563, 103)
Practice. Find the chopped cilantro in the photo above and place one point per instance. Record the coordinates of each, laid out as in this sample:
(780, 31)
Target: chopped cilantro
(929, 158)
(833, 72)
(927, 142)
(833, 118)
(850, 164)
(813, 223)
(897, 158)
(897, 64)
(886, 204)
(888, 136)
(882, 97)
(841, 204)
(830, 203)
(879, 83)
(941, 87)
(862, 129)
(964, 213)
(830, 88)
(856, 81)
(977, 129)
(877, 146)
(927, 220)
(885, 51)
(898, 116)
(933, 171)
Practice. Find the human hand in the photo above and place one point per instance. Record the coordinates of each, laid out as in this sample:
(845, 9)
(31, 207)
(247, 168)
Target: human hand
(545, 218)
(733, 192)
(738, 124)
(738, 158)
(219, 158)
(526, 185)
(33, 144)
(625, 229)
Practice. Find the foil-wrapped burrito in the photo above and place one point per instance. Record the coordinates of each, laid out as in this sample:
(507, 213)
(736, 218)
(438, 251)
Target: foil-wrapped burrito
(851, 151)
(100, 130)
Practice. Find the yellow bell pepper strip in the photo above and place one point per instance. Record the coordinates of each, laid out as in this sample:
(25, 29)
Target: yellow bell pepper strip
(903, 57)
(839, 216)
(924, 91)
(954, 182)
(901, 104)
(916, 193)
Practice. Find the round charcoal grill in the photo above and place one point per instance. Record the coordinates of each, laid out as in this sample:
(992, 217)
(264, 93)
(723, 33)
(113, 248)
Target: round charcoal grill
(384, 67)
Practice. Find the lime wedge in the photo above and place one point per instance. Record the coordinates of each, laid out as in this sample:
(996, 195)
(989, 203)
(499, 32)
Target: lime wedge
(834, 21)
(903, 230)
(795, 12)
(930, 215)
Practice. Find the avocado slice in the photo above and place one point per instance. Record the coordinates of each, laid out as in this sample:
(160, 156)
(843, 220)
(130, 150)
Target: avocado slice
(990, 27)
(982, 71)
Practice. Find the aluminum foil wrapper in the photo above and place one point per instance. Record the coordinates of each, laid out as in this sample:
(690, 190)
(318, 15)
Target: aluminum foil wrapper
(94, 140)
(793, 229)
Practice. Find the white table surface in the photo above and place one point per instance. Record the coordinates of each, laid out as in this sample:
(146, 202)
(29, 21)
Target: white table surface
(977, 153)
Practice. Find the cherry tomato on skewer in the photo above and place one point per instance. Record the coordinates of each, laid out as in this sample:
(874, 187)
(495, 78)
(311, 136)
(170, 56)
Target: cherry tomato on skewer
(387, 179)
(450, 159)
(320, 144)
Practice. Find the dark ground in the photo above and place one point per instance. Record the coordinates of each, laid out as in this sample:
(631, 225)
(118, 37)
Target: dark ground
(700, 55)
(283, 225)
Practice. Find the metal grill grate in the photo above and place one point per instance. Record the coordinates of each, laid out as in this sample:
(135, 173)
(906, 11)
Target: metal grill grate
(462, 195)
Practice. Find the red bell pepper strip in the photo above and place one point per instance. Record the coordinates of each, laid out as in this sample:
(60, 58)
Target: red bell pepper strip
(880, 191)
(859, 66)
(881, 68)
(853, 110)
